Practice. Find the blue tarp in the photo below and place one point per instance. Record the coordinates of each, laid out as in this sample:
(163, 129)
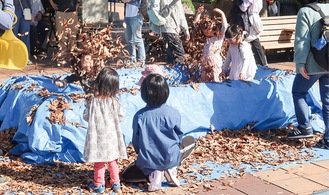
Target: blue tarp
(266, 101)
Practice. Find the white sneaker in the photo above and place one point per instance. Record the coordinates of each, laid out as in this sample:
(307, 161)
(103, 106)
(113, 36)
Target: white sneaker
(171, 176)
(29, 62)
(156, 178)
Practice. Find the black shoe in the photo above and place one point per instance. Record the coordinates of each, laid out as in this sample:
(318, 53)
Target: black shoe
(299, 132)
(187, 147)
(323, 143)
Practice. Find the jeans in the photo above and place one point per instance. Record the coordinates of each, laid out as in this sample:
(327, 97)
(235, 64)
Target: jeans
(174, 48)
(299, 91)
(99, 172)
(134, 37)
(22, 27)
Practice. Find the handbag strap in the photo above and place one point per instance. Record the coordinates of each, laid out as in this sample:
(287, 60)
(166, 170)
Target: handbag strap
(316, 8)
(21, 4)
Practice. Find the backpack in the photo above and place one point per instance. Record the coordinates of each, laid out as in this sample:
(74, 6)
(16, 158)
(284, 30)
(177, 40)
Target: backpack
(154, 9)
(321, 55)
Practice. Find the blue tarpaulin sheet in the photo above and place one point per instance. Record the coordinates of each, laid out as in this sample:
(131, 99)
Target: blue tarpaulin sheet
(266, 102)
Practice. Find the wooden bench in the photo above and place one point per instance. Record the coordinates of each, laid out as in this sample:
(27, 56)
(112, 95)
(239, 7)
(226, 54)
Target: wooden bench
(278, 33)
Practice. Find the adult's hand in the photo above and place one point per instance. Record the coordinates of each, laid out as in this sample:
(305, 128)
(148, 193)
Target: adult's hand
(304, 73)
(54, 5)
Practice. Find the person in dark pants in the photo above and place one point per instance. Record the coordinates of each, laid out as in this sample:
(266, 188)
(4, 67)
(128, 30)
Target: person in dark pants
(309, 73)
(175, 23)
(239, 15)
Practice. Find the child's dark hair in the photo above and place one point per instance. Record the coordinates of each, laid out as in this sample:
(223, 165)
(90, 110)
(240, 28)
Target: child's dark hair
(107, 83)
(233, 30)
(154, 90)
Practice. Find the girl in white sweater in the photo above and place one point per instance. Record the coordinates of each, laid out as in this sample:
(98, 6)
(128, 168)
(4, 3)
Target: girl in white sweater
(240, 57)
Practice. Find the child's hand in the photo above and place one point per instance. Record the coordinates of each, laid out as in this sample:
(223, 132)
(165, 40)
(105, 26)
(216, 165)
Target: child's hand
(242, 76)
(201, 9)
(223, 75)
(217, 10)
(59, 83)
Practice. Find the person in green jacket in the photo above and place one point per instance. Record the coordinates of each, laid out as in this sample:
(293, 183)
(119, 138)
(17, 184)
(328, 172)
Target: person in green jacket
(309, 72)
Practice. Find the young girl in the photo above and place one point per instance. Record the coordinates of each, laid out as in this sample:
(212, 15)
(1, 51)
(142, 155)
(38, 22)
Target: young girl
(239, 56)
(214, 33)
(150, 69)
(157, 137)
(104, 142)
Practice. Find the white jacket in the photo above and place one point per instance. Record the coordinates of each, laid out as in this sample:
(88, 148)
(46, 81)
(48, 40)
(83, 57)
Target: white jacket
(176, 20)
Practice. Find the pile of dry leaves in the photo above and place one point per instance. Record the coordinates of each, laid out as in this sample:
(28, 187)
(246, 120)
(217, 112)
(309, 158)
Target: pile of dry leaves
(235, 147)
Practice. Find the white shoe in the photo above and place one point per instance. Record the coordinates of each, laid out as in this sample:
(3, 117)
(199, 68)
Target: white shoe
(156, 178)
(29, 62)
(171, 176)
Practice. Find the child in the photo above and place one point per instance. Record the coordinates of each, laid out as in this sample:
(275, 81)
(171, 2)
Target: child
(85, 73)
(150, 69)
(239, 56)
(157, 137)
(214, 33)
(104, 142)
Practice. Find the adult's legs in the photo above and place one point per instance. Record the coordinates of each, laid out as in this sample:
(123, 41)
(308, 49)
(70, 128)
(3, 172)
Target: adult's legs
(259, 52)
(42, 32)
(22, 29)
(299, 91)
(174, 48)
(324, 93)
(134, 38)
(33, 38)
(129, 38)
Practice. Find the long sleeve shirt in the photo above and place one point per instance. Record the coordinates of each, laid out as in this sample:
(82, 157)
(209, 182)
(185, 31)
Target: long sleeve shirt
(308, 29)
(156, 138)
(6, 18)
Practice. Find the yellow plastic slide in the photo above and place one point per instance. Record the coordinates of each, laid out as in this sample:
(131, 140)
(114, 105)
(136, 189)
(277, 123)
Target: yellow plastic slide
(13, 52)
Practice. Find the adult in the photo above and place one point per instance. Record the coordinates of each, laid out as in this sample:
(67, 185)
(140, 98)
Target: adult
(308, 28)
(175, 23)
(66, 20)
(38, 29)
(240, 13)
(273, 7)
(22, 27)
(7, 11)
(134, 23)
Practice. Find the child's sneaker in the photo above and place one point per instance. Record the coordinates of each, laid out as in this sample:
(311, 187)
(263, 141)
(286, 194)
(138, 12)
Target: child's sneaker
(299, 132)
(187, 147)
(171, 176)
(156, 178)
(116, 189)
(98, 189)
(323, 143)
